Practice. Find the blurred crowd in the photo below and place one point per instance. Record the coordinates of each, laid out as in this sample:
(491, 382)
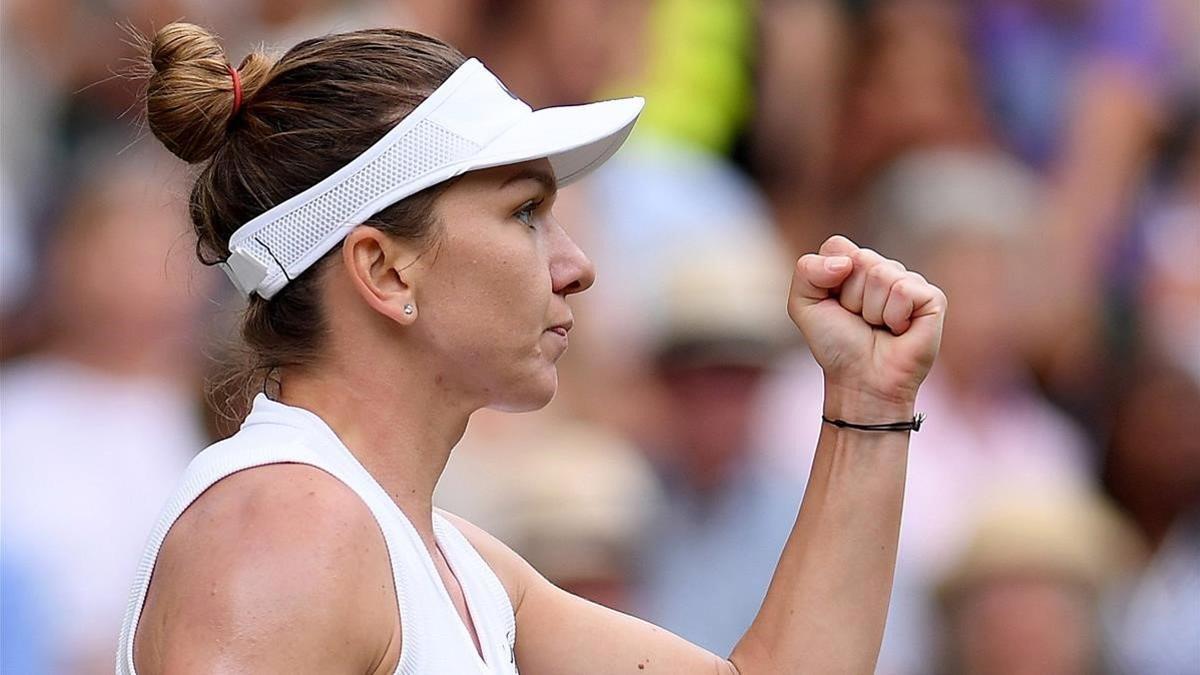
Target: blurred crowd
(1039, 160)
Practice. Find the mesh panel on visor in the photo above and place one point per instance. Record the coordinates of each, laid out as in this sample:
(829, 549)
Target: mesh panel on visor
(425, 147)
(463, 125)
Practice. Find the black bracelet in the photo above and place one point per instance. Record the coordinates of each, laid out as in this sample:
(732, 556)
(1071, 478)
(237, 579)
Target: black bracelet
(911, 425)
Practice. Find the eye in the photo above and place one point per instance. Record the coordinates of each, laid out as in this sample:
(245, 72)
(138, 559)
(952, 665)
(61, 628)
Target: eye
(525, 214)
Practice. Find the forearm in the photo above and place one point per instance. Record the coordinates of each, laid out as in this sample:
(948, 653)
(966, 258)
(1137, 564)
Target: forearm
(827, 603)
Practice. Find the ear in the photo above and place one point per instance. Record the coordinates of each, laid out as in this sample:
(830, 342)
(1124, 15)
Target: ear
(373, 261)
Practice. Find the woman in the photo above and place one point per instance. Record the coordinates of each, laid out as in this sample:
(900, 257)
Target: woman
(385, 204)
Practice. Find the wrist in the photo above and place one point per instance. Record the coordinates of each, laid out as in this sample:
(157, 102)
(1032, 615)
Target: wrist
(861, 406)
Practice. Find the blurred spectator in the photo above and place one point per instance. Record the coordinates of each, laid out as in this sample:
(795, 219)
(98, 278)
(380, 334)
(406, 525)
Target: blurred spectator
(912, 84)
(99, 423)
(64, 57)
(1168, 296)
(963, 218)
(726, 516)
(960, 218)
(1153, 470)
(548, 52)
(690, 60)
(1048, 64)
(645, 204)
(575, 510)
(1027, 594)
(800, 74)
(1082, 89)
(281, 24)
(32, 63)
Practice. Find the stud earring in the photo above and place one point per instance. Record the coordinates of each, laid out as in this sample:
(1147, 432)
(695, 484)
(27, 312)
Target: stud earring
(409, 309)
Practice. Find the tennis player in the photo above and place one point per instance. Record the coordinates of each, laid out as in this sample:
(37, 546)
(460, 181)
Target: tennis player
(385, 205)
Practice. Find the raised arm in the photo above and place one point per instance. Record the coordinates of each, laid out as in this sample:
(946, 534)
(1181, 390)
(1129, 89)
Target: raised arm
(874, 328)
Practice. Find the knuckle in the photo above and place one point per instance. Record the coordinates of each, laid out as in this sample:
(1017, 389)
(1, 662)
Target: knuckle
(870, 259)
(902, 291)
(880, 273)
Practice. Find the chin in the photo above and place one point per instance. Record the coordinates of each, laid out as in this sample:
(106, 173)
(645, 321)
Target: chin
(531, 393)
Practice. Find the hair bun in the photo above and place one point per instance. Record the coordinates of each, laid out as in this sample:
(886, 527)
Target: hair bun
(190, 94)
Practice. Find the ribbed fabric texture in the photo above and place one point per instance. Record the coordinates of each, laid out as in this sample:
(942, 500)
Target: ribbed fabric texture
(435, 640)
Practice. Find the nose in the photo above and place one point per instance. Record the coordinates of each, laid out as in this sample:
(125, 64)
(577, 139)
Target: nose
(571, 271)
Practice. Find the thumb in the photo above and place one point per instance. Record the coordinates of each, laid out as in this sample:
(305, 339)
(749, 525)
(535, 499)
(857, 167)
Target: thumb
(815, 276)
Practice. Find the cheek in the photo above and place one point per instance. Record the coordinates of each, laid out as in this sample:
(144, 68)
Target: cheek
(492, 303)
(498, 348)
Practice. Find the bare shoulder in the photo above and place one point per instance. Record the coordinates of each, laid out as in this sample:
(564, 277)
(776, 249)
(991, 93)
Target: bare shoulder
(280, 568)
(517, 575)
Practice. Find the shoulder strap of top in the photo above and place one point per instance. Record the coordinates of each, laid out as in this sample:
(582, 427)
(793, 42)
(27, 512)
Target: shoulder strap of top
(216, 462)
(252, 447)
(482, 583)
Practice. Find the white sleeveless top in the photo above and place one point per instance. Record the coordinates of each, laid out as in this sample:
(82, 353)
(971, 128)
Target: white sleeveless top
(435, 640)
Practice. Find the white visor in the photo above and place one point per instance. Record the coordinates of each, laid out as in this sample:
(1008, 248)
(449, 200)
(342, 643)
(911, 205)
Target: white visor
(470, 122)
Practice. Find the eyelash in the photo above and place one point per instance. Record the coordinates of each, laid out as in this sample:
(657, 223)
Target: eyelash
(525, 213)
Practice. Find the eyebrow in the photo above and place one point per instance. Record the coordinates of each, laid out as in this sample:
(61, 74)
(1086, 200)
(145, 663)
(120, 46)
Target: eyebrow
(545, 178)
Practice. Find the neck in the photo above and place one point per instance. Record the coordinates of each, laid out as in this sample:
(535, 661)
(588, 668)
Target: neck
(399, 423)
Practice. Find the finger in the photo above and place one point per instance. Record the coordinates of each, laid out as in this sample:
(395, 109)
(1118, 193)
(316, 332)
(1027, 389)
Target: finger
(816, 275)
(880, 280)
(901, 302)
(920, 309)
(897, 312)
(838, 245)
(851, 292)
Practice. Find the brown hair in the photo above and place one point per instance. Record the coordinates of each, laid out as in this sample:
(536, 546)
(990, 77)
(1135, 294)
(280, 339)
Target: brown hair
(301, 118)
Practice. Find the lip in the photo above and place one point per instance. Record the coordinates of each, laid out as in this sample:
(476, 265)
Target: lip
(562, 328)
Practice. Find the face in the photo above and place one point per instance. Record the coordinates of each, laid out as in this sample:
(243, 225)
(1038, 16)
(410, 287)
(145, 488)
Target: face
(982, 345)
(492, 290)
(1025, 626)
(156, 290)
(713, 409)
(590, 43)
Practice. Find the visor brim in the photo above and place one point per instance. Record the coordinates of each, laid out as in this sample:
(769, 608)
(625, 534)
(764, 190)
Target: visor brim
(576, 139)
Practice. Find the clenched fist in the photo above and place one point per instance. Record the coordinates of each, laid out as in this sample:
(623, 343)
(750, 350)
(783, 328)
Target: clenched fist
(873, 326)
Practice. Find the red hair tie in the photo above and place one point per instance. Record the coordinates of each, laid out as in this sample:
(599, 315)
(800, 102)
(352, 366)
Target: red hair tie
(237, 90)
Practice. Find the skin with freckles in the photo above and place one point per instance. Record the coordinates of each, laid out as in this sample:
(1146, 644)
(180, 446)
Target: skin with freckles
(485, 293)
(280, 569)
